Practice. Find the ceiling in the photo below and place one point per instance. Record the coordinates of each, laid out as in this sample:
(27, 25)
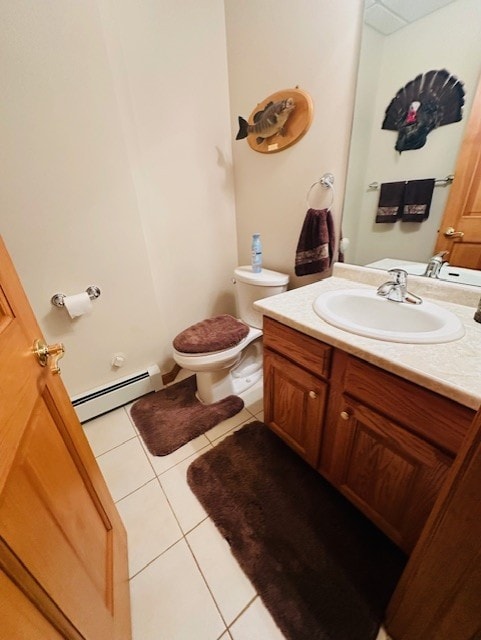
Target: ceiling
(387, 16)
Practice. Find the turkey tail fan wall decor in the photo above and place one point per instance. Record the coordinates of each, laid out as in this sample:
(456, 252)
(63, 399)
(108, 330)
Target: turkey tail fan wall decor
(432, 99)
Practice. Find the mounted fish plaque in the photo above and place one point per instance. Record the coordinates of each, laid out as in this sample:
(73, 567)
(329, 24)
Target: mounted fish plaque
(277, 122)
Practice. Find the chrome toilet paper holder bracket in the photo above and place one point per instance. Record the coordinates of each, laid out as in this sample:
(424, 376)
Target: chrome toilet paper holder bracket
(58, 299)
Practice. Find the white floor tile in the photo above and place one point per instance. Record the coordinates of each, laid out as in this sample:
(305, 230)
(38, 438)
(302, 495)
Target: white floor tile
(229, 433)
(228, 425)
(256, 623)
(187, 508)
(125, 468)
(230, 587)
(163, 463)
(253, 397)
(150, 523)
(108, 431)
(171, 601)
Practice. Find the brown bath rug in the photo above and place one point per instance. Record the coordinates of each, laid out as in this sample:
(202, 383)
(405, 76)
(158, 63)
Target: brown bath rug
(322, 569)
(170, 418)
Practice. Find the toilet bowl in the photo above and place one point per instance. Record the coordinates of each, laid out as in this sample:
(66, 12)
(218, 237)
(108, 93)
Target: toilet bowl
(225, 352)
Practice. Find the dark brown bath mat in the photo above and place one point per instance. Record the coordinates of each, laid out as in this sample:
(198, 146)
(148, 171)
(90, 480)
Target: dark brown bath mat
(323, 570)
(170, 418)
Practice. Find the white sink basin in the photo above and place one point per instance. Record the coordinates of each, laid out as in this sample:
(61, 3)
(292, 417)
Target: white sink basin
(363, 312)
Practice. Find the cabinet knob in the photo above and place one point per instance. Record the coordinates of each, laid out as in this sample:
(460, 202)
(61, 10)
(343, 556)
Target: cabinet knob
(313, 395)
(345, 415)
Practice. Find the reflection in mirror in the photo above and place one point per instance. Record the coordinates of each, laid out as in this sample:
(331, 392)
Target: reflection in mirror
(448, 38)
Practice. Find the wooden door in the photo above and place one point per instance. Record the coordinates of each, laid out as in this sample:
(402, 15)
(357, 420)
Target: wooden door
(63, 554)
(463, 209)
(294, 402)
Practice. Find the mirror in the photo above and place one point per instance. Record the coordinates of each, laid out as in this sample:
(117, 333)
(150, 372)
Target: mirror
(447, 38)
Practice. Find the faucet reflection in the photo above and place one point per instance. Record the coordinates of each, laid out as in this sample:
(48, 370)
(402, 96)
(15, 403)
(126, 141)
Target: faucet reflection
(434, 265)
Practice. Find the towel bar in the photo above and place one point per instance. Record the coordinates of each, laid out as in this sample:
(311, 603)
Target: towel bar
(438, 182)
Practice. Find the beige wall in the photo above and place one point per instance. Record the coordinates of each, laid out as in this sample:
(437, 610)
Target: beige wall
(448, 38)
(117, 172)
(273, 45)
(117, 166)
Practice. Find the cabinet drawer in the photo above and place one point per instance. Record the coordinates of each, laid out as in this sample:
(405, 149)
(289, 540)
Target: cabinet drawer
(434, 417)
(305, 351)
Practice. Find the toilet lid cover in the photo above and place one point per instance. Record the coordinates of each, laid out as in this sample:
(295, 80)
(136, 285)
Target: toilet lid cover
(214, 334)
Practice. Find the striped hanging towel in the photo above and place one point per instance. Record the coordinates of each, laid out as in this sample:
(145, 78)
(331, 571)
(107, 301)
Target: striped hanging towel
(315, 247)
(417, 200)
(390, 201)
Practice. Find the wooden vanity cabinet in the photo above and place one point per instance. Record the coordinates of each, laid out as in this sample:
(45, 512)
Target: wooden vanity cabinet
(383, 441)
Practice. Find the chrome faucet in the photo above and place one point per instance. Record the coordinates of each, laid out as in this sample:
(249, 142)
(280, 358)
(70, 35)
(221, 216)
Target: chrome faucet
(434, 265)
(396, 289)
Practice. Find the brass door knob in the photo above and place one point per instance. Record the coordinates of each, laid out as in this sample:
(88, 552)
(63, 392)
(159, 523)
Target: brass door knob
(313, 395)
(452, 233)
(43, 351)
(345, 415)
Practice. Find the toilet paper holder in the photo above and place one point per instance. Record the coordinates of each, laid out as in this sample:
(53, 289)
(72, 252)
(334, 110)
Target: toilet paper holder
(58, 299)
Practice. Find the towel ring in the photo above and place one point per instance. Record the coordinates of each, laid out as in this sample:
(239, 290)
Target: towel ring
(326, 181)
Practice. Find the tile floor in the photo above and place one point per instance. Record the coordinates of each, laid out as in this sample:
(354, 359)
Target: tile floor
(184, 582)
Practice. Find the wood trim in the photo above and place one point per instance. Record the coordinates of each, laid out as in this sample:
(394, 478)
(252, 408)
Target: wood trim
(466, 164)
(24, 581)
(171, 375)
(15, 605)
(438, 594)
(86, 460)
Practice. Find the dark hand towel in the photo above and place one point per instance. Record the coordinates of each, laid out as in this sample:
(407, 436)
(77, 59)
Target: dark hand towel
(316, 243)
(390, 201)
(417, 200)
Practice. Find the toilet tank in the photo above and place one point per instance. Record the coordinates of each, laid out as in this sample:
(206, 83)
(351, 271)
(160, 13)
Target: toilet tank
(250, 286)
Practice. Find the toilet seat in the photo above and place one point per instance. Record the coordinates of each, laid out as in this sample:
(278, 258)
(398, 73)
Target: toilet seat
(225, 357)
(225, 352)
(211, 335)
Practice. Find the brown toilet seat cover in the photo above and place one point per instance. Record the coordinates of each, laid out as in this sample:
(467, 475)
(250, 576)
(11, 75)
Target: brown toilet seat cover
(213, 334)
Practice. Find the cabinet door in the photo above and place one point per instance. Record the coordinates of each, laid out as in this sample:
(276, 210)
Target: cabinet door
(389, 473)
(294, 402)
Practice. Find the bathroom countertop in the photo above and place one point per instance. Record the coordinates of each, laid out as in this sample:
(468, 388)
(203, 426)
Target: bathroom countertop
(452, 369)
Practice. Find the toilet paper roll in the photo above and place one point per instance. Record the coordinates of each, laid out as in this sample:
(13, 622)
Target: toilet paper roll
(78, 304)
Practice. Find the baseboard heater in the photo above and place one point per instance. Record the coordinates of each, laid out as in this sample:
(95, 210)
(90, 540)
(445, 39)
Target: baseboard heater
(110, 396)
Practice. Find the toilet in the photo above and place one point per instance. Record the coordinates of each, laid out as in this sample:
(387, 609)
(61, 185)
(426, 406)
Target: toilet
(225, 352)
